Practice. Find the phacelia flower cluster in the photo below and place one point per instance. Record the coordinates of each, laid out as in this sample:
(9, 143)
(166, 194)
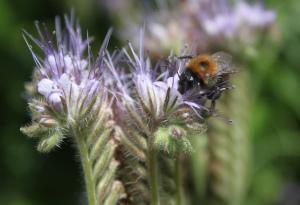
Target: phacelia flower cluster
(72, 90)
(65, 80)
(209, 23)
(122, 103)
(69, 98)
(154, 88)
(148, 96)
(67, 89)
(220, 19)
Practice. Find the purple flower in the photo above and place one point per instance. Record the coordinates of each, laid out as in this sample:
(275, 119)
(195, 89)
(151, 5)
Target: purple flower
(222, 24)
(151, 92)
(219, 18)
(65, 76)
(254, 15)
(207, 23)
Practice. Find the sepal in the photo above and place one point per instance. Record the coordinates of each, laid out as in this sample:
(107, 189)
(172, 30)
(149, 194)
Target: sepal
(34, 130)
(48, 142)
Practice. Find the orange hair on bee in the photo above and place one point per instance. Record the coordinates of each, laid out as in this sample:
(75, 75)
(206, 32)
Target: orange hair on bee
(202, 65)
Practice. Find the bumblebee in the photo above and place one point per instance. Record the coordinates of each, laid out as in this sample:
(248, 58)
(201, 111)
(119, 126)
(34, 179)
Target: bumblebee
(208, 75)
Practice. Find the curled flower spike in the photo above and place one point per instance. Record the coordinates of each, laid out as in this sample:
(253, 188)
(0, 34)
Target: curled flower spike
(71, 99)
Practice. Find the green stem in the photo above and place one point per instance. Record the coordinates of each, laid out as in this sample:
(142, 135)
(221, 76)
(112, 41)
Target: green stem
(178, 181)
(153, 178)
(87, 170)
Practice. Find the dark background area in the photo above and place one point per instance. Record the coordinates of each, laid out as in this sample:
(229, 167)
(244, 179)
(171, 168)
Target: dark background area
(26, 176)
(31, 178)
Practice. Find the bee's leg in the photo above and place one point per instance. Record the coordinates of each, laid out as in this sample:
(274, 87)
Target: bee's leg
(185, 57)
(216, 94)
(213, 97)
(230, 87)
(212, 107)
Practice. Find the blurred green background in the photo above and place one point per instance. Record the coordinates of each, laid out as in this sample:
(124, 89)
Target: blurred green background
(30, 178)
(26, 176)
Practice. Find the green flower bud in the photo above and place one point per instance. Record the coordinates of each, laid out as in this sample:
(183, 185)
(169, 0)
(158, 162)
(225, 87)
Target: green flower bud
(173, 140)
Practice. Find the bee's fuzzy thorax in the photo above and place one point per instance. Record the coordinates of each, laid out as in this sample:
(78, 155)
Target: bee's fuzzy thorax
(202, 66)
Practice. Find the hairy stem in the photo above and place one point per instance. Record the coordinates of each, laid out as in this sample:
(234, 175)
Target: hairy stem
(153, 178)
(87, 170)
(178, 181)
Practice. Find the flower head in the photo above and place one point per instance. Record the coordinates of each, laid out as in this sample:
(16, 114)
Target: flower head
(163, 26)
(149, 95)
(65, 79)
(219, 18)
(208, 23)
(71, 100)
(69, 88)
(254, 15)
